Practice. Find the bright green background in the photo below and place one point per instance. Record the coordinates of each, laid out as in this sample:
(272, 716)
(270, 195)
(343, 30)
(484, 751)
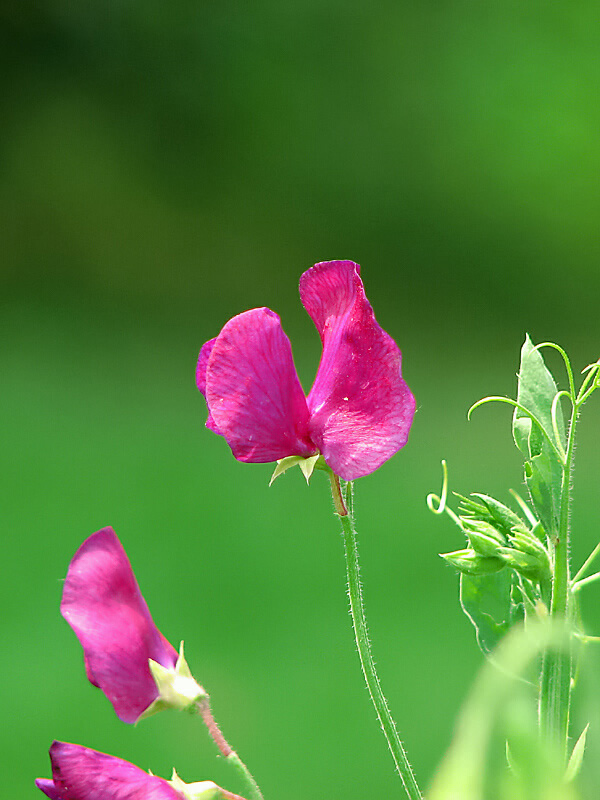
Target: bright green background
(167, 165)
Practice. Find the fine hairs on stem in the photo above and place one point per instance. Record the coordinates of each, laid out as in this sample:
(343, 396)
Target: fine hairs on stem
(364, 647)
(204, 709)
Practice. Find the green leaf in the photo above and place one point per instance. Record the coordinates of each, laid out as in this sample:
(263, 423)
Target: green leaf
(543, 469)
(486, 600)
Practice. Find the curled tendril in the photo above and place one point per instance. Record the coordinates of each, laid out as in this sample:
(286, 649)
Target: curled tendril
(434, 499)
(567, 361)
(527, 412)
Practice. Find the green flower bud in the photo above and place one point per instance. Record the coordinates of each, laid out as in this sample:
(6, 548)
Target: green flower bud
(484, 545)
(502, 516)
(484, 528)
(472, 563)
(527, 564)
(526, 542)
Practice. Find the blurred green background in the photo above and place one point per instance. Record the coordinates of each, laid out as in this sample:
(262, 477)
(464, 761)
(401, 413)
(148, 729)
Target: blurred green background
(165, 166)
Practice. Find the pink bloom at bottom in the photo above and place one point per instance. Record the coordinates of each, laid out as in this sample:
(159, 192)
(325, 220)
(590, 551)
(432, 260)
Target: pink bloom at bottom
(104, 606)
(79, 773)
(359, 410)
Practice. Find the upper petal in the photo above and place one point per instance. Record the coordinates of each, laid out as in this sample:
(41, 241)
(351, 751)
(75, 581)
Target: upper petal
(103, 604)
(361, 408)
(205, 352)
(253, 392)
(83, 774)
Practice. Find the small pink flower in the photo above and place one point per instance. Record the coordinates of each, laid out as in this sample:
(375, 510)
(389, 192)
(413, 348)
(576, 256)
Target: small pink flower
(79, 773)
(359, 410)
(103, 604)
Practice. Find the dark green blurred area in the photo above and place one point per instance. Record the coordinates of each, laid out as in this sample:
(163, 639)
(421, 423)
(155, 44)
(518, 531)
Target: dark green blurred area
(166, 166)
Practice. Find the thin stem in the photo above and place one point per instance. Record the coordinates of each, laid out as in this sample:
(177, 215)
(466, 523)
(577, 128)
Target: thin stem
(364, 651)
(203, 708)
(576, 586)
(587, 563)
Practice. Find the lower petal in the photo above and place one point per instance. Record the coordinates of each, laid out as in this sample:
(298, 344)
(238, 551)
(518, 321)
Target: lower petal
(253, 392)
(83, 774)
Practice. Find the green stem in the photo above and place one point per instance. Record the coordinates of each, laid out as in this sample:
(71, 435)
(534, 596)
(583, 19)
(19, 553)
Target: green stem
(577, 586)
(203, 708)
(555, 687)
(364, 651)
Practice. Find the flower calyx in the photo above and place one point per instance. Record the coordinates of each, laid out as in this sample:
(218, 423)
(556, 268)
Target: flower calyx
(176, 687)
(201, 790)
(307, 466)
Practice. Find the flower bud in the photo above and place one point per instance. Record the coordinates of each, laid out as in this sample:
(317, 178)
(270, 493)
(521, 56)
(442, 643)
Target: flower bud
(472, 563)
(527, 564)
(484, 545)
(525, 542)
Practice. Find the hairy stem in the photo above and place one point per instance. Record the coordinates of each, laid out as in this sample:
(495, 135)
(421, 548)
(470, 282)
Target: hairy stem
(364, 650)
(203, 708)
(555, 687)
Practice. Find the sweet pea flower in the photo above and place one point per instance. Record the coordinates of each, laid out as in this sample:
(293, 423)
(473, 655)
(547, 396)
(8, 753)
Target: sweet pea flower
(79, 773)
(125, 654)
(359, 410)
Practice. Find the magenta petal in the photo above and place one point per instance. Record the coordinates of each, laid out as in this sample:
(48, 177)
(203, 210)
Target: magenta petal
(253, 392)
(103, 604)
(201, 378)
(48, 788)
(79, 773)
(361, 408)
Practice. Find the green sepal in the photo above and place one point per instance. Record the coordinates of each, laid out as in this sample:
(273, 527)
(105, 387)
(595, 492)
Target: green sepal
(487, 602)
(471, 563)
(543, 469)
(203, 790)
(176, 687)
(576, 759)
(307, 465)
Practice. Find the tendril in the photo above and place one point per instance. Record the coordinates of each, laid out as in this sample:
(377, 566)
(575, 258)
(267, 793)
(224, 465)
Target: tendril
(567, 361)
(433, 499)
(554, 411)
(526, 411)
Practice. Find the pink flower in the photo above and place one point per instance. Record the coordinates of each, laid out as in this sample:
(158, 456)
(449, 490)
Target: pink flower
(82, 774)
(103, 604)
(359, 410)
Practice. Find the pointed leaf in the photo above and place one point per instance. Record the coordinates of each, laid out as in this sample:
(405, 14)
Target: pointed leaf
(543, 470)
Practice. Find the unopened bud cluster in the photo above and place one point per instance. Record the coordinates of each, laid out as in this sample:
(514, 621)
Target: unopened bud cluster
(498, 539)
